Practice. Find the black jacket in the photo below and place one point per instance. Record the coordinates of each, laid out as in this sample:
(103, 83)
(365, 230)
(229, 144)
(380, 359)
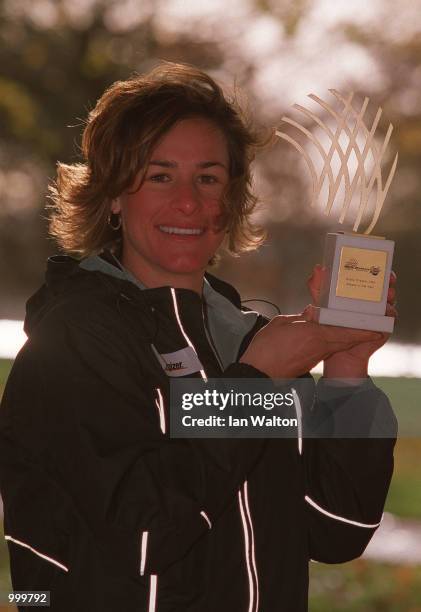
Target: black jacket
(108, 513)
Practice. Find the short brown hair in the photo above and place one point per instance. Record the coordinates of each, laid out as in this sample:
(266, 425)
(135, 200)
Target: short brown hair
(119, 137)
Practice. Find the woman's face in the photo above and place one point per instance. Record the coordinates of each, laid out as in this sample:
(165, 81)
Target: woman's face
(173, 224)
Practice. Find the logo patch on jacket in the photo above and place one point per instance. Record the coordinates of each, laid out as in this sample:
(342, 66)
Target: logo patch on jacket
(180, 363)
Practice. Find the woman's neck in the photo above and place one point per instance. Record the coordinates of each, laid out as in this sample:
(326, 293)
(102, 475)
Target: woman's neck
(152, 278)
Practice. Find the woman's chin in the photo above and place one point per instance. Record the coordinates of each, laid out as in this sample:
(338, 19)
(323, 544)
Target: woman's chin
(186, 269)
(184, 264)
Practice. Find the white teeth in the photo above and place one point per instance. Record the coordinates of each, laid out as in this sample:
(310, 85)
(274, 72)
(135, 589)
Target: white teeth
(180, 230)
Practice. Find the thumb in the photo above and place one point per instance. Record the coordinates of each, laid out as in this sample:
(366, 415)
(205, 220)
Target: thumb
(310, 313)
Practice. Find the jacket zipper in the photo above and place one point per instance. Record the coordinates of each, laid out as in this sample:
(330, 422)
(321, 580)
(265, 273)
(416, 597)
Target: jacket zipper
(210, 339)
(242, 493)
(187, 339)
(244, 508)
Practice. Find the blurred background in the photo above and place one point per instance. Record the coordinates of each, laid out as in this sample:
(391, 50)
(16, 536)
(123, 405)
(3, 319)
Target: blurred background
(56, 59)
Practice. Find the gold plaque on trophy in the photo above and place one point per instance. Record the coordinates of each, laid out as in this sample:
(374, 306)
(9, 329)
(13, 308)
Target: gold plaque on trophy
(361, 274)
(355, 289)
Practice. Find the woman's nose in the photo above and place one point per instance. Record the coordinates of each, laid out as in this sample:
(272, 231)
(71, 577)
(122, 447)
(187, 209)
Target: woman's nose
(186, 198)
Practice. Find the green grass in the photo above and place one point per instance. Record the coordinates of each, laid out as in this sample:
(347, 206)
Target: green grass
(405, 397)
(5, 583)
(5, 365)
(404, 497)
(364, 586)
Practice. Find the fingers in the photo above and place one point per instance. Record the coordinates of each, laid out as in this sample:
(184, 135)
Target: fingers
(314, 283)
(284, 319)
(309, 313)
(391, 311)
(391, 295)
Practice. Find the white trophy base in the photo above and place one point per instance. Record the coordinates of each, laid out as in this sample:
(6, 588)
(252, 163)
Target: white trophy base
(355, 320)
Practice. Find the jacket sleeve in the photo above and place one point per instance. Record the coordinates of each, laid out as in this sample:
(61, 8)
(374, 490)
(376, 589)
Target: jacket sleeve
(348, 460)
(80, 421)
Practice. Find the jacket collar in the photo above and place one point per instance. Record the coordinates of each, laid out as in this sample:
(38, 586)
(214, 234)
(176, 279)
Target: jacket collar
(220, 304)
(219, 307)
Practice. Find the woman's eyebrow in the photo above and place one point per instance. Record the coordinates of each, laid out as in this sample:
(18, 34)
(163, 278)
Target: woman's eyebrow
(163, 163)
(209, 164)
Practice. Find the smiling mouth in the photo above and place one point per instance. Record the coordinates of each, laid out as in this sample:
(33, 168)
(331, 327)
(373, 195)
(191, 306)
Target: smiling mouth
(182, 231)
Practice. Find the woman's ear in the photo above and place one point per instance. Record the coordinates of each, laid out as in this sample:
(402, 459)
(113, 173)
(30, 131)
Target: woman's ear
(116, 206)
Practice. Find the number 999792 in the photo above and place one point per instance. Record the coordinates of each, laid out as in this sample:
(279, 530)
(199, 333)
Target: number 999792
(30, 598)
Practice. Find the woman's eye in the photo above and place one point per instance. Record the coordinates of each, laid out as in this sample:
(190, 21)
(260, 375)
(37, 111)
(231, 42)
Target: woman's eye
(159, 178)
(208, 179)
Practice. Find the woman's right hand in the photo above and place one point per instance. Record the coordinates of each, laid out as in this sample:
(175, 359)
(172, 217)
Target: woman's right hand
(289, 346)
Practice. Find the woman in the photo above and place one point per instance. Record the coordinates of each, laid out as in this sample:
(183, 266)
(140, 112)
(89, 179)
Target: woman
(102, 508)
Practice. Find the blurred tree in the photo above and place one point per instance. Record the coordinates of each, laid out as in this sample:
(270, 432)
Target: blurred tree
(397, 52)
(57, 57)
(394, 43)
(55, 63)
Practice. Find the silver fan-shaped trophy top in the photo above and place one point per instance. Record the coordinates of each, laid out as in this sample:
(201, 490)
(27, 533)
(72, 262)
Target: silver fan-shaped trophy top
(350, 124)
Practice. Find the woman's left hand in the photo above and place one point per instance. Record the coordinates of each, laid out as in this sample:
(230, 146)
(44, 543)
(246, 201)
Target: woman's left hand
(352, 363)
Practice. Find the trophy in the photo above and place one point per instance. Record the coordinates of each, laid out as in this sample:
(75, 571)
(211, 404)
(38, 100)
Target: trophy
(358, 265)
